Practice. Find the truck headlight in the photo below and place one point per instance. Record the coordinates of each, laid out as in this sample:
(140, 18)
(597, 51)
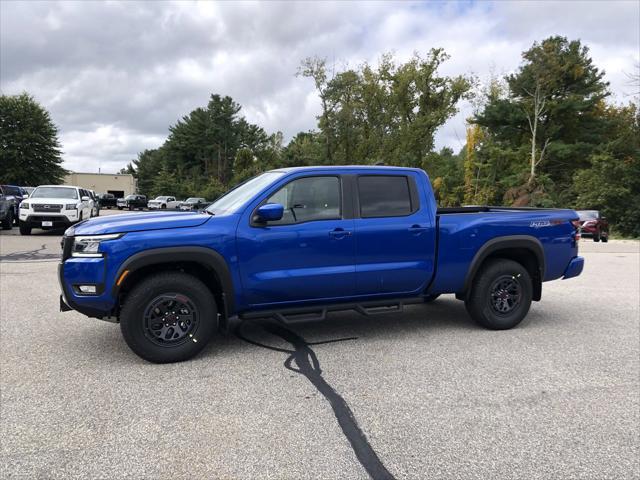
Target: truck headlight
(70, 206)
(24, 205)
(88, 245)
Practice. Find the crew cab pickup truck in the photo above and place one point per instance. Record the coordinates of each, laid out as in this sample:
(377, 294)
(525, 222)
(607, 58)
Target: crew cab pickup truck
(132, 202)
(297, 243)
(163, 202)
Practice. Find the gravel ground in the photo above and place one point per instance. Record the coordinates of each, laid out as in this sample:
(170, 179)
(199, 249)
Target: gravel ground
(435, 396)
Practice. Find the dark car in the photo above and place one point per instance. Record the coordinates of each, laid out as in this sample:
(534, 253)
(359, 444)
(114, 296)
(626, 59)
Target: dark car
(194, 203)
(132, 202)
(107, 200)
(7, 209)
(594, 225)
(19, 194)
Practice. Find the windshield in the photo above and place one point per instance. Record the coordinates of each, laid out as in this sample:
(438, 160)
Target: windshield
(54, 192)
(588, 214)
(130, 197)
(192, 200)
(162, 199)
(244, 192)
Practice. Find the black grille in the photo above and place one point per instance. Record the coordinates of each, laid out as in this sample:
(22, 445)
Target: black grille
(45, 218)
(47, 208)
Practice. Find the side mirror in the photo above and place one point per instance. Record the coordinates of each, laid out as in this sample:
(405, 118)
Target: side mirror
(269, 212)
(85, 199)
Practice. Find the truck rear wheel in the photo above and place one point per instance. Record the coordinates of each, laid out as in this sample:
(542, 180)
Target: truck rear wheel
(168, 317)
(500, 295)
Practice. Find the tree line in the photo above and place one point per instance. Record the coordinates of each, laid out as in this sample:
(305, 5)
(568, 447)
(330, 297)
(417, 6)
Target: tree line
(546, 135)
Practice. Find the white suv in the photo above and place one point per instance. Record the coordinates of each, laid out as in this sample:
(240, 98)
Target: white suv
(54, 206)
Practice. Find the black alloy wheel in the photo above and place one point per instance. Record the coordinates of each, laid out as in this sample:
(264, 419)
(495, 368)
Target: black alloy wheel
(501, 294)
(505, 295)
(170, 319)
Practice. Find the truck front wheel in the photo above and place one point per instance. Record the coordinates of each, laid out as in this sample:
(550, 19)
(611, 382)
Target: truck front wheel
(168, 317)
(500, 295)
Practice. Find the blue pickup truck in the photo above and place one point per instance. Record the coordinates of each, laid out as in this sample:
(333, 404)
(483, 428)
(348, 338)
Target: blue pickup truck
(297, 243)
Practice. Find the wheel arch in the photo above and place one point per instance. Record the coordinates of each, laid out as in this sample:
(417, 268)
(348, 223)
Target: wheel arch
(524, 249)
(204, 263)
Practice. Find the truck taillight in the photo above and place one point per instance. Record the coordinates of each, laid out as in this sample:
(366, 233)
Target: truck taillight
(576, 225)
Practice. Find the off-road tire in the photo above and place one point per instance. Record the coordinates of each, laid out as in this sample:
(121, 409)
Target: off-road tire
(140, 338)
(24, 229)
(479, 301)
(7, 223)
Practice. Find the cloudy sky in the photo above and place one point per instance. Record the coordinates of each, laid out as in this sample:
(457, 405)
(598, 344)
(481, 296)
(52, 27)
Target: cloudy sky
(115, 75)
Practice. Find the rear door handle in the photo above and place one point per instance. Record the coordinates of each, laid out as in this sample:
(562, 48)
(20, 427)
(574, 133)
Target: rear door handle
(339, 233)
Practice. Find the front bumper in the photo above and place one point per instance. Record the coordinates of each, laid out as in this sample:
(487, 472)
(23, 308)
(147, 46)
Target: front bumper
(574, 268)
(40, 221)
(68, 298)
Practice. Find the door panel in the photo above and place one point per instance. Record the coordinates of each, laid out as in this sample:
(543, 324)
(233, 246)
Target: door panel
(395, 243)
(306, 256)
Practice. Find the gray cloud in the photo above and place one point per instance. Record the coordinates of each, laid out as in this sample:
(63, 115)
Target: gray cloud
(116, 75)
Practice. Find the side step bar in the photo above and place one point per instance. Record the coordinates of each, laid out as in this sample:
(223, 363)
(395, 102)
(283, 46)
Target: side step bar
(311, 314)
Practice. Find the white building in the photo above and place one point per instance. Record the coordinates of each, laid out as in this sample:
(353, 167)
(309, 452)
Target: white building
(119, 184)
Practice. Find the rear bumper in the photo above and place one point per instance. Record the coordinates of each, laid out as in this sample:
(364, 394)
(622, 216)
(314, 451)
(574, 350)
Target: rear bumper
(574, 268)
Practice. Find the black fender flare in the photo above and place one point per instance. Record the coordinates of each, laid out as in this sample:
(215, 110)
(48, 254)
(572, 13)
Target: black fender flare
(526, 242)
(201, 255)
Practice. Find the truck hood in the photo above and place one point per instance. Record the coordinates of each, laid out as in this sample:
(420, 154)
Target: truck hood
(139, 222)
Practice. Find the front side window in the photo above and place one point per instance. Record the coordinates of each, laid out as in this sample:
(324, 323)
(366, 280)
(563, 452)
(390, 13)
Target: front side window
(308, 199)
(384, 196)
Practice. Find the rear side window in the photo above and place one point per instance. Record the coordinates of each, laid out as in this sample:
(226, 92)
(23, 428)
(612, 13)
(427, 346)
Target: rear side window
(384, 196)
(308, 199)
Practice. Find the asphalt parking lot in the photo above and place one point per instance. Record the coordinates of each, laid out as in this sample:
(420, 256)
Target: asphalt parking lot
(421, 395)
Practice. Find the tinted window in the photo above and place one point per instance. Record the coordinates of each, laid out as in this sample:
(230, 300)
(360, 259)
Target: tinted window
(384, 196)
(308, 199)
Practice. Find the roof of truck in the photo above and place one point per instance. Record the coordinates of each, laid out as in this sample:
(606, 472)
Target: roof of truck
(345, 167)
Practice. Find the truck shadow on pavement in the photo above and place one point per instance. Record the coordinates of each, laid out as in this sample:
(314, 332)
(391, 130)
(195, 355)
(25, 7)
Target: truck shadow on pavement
(42, 253)
(302, 359)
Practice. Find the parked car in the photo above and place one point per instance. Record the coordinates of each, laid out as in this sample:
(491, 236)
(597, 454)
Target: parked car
(164, 202)
(7, 209)
(193, 203)
(95, 204)
(297, 243)
(592, 224)
(107, 200)
(19, 194)
(132, 202)
(54, 206)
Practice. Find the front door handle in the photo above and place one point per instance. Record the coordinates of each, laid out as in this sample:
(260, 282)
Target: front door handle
(417, 229)
(339, 233)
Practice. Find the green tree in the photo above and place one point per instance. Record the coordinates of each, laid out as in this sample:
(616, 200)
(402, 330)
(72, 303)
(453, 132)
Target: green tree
(551, 112)
(386, 113)
(29, 147)
(611, 183)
